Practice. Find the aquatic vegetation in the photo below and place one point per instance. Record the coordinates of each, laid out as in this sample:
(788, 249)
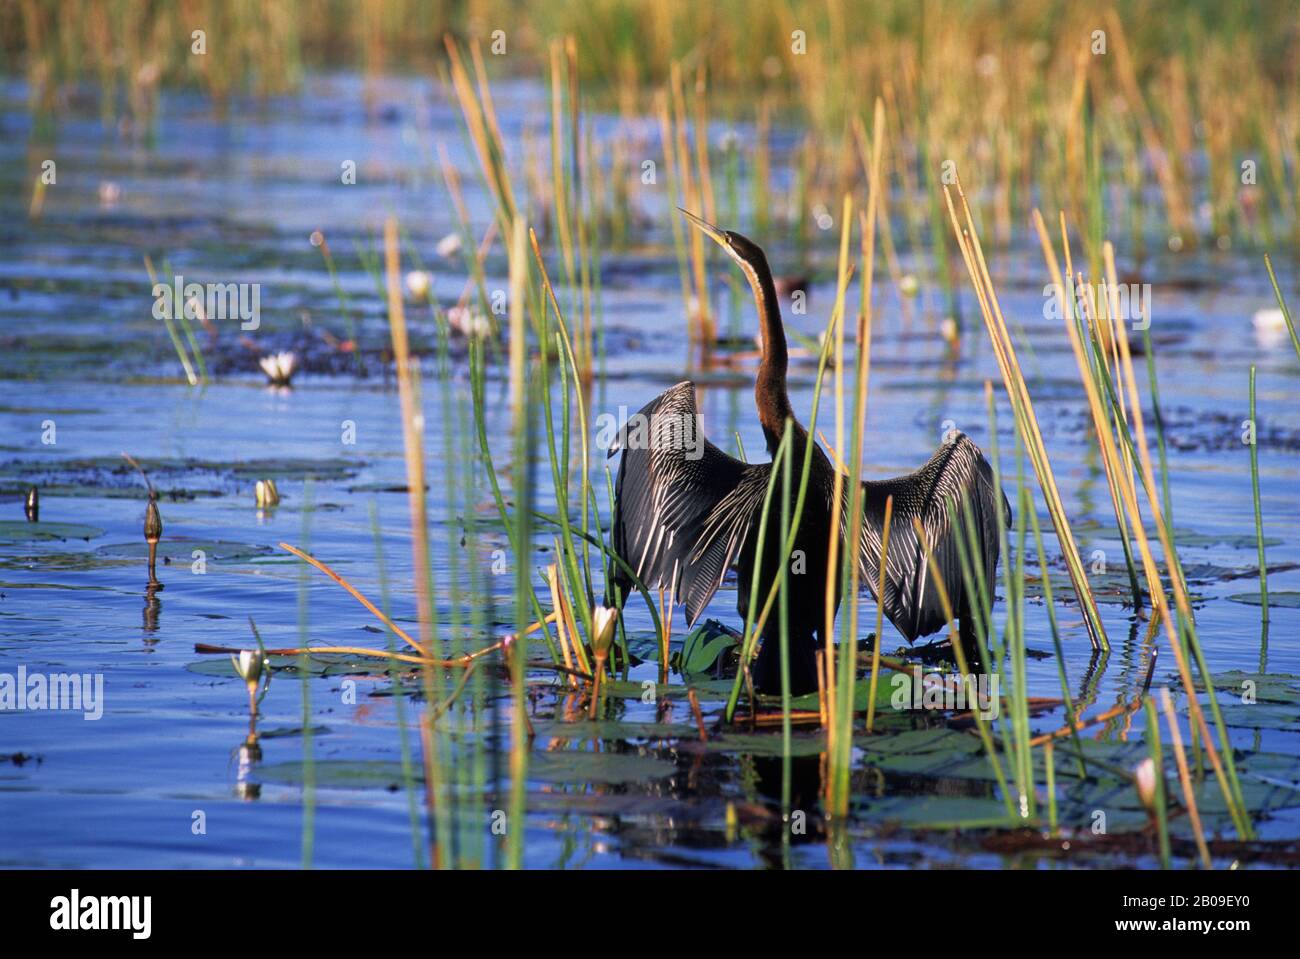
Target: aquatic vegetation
(468, 363)
(266, 494)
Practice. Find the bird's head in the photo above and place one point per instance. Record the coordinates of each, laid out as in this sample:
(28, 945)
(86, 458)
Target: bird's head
(740, 248)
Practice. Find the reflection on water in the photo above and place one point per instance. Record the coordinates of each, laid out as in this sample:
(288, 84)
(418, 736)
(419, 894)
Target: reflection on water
(152, 608)
(236, 200)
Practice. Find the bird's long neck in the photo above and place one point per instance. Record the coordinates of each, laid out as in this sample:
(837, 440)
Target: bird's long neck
(770, 394)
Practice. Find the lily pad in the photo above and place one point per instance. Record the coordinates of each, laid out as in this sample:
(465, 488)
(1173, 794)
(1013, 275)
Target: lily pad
(1288, 599)
(1265, 687)
(765, 744)
(633, 689)
(338, 774)
(937, 812)
(703, 647)
(1262, 716)
(557, 767)
(290, 732)
(614, 730)
(323, 664)
(17, 531)
(181, 550)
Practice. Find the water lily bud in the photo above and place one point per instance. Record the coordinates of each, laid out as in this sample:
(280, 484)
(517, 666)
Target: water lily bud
(33, 505)
(418, 283)
(468, 322)
(603, 621)
(152, 522)
(266, 493)
(949, 331)
(248, 664)
(1146, 783)
(449, 245)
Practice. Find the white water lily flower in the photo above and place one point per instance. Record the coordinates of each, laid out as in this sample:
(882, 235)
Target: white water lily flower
(1146, 782)
(1270, 327)
(418, 284)
(449, 245)
(280, 367)
(468, 322)
(1269, 320)
(109, 194)
(603, 620)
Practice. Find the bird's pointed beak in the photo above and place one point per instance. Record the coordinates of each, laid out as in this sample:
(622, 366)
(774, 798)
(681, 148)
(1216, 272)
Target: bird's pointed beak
(708, 229)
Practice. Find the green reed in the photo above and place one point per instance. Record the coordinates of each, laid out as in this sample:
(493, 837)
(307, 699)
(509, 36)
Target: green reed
(1022, 408)
(750, 636)
(1254, 489)
(1281, 303)
(783, 578)
(1180, 631)
(1071, 713)
(181, 353)
(1018, 695)
(399, 705)
(522, 402)
(308, 841)
(183, 318)
(1161, 799)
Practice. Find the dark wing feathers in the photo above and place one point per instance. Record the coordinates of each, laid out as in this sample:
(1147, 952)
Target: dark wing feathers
(684, 510)
(683, 507)
(956, 475)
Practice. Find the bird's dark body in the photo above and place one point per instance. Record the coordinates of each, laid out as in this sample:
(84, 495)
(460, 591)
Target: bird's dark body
(806, 580)
(686, 512)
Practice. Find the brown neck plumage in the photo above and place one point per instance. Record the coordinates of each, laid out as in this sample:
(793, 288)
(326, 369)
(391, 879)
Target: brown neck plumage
(770, 394)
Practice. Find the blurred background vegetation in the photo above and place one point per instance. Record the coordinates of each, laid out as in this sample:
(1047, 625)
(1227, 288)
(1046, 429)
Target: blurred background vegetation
(1169, 97)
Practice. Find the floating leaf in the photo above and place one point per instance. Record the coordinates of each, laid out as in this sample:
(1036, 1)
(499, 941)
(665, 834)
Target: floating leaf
(181, 550)
(765, 744)
(557, 767)
(321, 664)
(1287, 599)
(1265, 687)
(703, 647)
(937, 812)
(1261, 715)
(17, 531)
(289, 732)
(614, 730)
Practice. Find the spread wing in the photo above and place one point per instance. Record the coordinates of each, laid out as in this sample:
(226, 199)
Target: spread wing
(959, 476)
(683, 509)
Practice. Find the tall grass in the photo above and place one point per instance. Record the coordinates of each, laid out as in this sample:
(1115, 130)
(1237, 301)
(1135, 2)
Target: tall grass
(956, 77)
(1254, 489)
(1023, 410)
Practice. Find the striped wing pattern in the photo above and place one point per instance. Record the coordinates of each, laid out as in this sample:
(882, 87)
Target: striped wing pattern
(685, 510)
(956, 474)
(684, 507)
